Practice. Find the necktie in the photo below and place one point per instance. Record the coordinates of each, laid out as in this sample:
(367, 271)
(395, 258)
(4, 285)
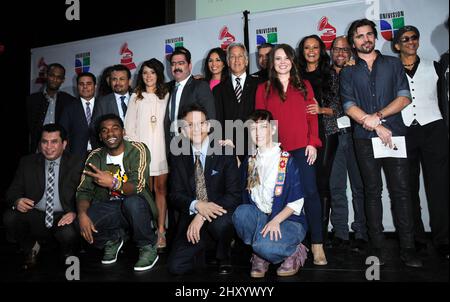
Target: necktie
(173, 101)
(238, 90)
(124, 106)
(200, 185)
(88, 113)
(49, 194)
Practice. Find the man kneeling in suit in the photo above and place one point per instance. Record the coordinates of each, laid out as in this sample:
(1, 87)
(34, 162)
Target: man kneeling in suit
(205, 190)
(42, 196)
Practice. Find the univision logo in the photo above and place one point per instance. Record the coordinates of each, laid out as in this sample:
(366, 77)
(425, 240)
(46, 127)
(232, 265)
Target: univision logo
(82, 62)
(171, 44)
(266, 35)
(390, 23)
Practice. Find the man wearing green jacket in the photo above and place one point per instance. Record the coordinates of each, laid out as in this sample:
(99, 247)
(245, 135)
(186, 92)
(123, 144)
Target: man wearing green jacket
(113, 195)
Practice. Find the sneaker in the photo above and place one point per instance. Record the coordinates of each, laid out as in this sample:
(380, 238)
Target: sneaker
(292, 264)
(112, 249)
(148, 256)
(259, 267)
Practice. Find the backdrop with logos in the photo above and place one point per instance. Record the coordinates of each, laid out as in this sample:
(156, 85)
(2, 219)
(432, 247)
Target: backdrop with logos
(278, 26)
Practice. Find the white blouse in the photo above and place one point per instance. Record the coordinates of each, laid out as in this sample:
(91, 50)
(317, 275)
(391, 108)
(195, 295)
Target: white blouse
(262, 195)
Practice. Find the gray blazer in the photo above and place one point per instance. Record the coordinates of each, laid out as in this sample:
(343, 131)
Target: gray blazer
(105, 105)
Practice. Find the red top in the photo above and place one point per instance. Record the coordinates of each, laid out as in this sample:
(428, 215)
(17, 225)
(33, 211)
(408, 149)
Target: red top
(296, 128)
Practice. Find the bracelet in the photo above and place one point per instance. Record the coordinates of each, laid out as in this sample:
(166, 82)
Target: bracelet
(116, 184)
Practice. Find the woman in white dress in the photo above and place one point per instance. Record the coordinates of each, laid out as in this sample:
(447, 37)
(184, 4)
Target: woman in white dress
(144, 122)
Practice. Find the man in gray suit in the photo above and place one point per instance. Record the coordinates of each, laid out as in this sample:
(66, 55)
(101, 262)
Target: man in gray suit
(184, 91)
(117, 101)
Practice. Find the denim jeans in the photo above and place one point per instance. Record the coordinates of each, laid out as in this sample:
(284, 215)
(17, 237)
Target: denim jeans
(248, 221)
(112, 217)
(397, 182)
(313, 207)
(345, 161)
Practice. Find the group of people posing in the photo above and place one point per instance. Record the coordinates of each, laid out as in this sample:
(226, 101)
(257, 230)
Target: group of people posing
(148, 165)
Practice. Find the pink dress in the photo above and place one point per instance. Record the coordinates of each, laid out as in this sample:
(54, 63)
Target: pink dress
(144, 122)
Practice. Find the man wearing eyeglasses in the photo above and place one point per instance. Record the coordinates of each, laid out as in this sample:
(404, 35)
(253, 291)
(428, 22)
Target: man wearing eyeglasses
(205, 189)
(345, 161)
(426, 140)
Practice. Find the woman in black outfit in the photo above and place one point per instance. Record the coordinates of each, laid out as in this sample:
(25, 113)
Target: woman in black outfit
(315, 67)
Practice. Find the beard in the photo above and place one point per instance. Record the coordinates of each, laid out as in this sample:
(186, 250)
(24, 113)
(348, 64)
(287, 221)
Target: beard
(366, 49)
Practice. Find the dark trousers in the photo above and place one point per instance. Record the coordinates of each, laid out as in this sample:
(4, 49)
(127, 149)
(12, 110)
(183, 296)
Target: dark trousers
(345, 161)
(186, 256)
(112, 217)
(428, 145)
(313, 208)
(396, 171)
(324, 164)
(27, 228)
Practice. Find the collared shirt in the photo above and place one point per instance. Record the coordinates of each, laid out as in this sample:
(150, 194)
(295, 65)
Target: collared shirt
(57, 207)
(91, 106)
(203, 151)
(119, 103)
(50, 114)
(178, 98)
(374, 90)
(267, 163)
(242, 77)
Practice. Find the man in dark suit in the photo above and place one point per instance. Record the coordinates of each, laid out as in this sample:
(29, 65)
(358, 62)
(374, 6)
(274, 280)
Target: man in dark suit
(117, 101)
(41, 197)
(235, 97)
(184, 90)
(77, 116)
(46, 107)
(263, 57)
(205, 197)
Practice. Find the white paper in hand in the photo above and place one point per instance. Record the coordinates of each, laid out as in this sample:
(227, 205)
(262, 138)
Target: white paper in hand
(398, 148)
(343, 122)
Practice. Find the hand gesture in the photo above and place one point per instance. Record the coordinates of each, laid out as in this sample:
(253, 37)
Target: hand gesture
(102, 178)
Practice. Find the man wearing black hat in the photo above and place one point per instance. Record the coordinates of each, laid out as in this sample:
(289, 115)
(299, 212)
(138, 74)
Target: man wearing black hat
(426, 140)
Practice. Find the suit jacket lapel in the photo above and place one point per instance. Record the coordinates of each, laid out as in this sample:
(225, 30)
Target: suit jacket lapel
(190, 170)
(210, 162)
(41, 173)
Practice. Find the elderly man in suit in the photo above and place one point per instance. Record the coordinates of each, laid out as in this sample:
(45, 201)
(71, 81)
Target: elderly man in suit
(205, 189)
(76, 118)
(46, 107)
(235, 97)
(41, 197)
(117, 101)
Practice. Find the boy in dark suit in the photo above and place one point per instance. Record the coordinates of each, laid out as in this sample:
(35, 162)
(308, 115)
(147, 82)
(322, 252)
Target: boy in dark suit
(205, 190)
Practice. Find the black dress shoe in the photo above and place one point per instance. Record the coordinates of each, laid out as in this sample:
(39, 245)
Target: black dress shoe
(443, 250)
(225, 267)
(410, 258)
